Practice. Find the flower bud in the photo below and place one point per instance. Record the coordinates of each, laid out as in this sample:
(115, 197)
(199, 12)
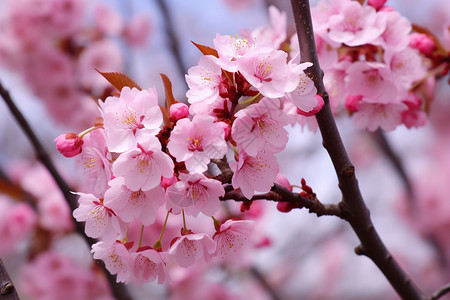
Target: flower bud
(377, 4)
(226, 128)
(69, 144)
(351, 103)
(179, 111)
(423, 43)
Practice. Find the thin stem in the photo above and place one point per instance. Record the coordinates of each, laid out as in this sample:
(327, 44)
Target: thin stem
(83, 133)
(263, 281)
(352, 203)
(140, 239)
(119, 290)
(164, 227)
(444, 290)
(184, 222)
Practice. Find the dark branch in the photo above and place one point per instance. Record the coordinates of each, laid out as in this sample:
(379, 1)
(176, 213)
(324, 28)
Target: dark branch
(7, 289)
(444, 290)
(118, 289)
(353, 204)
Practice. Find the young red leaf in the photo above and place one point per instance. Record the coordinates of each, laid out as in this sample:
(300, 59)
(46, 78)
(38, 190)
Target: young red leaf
(168, 89)
(119, 80)
(206, 50)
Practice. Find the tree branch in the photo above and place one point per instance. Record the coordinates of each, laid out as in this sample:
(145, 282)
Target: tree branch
(353, 203)
(119, 290)
(7, 289)
(444, 290)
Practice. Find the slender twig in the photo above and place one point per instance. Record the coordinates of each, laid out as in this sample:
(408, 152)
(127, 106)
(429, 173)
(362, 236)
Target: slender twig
(171, 36)
(263, 281)
(444, 290)
(396, 162)
(119, 290)
(7, 288)
(358, 214)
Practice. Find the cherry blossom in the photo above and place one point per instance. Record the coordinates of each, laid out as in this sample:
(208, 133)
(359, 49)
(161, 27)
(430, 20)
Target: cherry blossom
(232, 239)
(195, 193)
(147, 266)
(136, 113)
(386, 116)
(69, 144)
(254, 173)
(143, 165)
(100, 220)
(231, 49)
(196, 142)
(190, 248)
(260, 126)
(117, 259)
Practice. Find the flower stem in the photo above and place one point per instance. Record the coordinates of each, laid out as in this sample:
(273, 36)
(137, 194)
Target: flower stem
(184, 222)
(83, 133)
(140, 239)
(157, 245)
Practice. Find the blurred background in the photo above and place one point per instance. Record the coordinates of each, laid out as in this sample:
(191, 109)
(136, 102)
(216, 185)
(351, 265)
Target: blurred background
(48, 52)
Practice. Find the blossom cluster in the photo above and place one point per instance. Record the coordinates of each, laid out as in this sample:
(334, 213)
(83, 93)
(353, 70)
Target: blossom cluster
(56, 53)
(145, 164)
(374, 65)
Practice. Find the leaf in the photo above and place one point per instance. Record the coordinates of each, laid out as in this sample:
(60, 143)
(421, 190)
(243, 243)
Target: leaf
(206, 50)
(168, 89)
(166, 115)
(119, 80)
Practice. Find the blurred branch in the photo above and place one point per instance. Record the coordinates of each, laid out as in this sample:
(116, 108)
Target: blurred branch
(171, 36)
(118, 289)
(353, 204)
(7, 289)
(262, 280)
(444, 290)
(385, 146)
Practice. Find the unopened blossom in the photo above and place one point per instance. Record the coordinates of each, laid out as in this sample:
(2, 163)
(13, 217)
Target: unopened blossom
(117, 259)
(69, 144)
(143, 165)
(254, 173)
(179, 111)
(190, 248)
(147, 266)
(422, 42)
(130, 205)
(355, 24)
(95, 161)
(100, 220)
(195, 193)
(233, 239)
(266, 69)
(136, 113)
(204, 81)
(196, 142)
(260, 126)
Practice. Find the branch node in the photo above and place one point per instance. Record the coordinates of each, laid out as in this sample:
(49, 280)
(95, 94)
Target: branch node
(359, 250)
(7, 288)
(347, 171)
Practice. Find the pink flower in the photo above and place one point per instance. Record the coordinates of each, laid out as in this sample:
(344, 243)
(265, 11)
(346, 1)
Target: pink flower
(231, 49)
(260, 126)
(190, 248)
(232, 239)
(196, 142)
(355, 24)
(136, 113)
(100, 220)
(267, 70)
(406, 67)
(147, 266)
(395, 35)
(143, 165)
(130, 205)
(372, 116)
(95, 160)
(204, 81)
(117, 259)
(107, 20)
(275, 34)
(179, 111)
(377, 4)
(254, 173)
(195, 193)
(137, 31)
(69, 144)
(371, 80)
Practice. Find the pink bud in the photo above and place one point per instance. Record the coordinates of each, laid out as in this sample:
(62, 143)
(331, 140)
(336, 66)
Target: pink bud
(423, 43)
(284, 207)
(226, 127)
(283, 181)
(69, 144)
(377, 4)
(351, 103)
(166, 182)
(179, 111)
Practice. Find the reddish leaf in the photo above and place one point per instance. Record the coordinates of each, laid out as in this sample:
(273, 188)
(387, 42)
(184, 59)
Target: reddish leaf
(206, 50)
(168, 88)
(119, 80)
(166, 115)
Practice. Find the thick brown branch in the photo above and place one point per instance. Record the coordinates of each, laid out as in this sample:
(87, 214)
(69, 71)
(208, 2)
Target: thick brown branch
(118, 289)
(353, 203)
(7, 289)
